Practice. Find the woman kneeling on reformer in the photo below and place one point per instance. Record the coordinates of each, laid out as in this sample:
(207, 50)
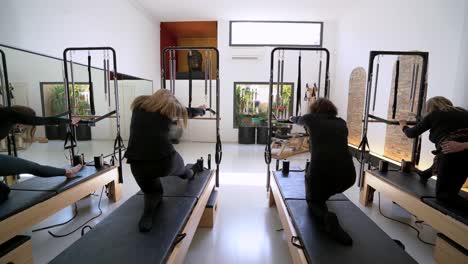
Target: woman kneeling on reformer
(447, 125)
(150, 152)
(331, 170)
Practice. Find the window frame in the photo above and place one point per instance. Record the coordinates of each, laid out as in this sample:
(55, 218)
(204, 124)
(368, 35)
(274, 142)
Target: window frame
(275, 45)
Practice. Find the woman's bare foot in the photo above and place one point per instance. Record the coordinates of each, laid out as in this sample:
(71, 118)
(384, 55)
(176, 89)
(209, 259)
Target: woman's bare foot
(70, 173)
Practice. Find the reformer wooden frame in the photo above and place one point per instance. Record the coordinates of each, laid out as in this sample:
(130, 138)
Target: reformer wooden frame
(447, 225)
(275, 198)
(20, 222)
(180, 249)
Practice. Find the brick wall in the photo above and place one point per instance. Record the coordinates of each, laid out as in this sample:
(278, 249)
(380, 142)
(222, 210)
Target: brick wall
(356, 97)
(397, 145)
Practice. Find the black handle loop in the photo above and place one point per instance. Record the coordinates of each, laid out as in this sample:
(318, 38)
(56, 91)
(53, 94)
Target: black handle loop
(70, 141)
(294, 242)
(219, 151)
(179, 238)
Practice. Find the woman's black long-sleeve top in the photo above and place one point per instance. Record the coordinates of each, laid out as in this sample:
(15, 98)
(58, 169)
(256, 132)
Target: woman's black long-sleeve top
(328, 136)
(440, 124)
(9, 118)
(149, 135)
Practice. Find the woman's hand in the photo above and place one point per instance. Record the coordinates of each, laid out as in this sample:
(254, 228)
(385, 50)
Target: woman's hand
(403, 123)
(75, 121)
(453, 147)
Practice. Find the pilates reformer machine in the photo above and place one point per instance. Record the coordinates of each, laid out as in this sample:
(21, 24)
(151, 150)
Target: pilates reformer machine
(34, 200)
(186, 206)
(307, 243)
(301, 140)
(399, 182)
(69, 80)
(209, 53)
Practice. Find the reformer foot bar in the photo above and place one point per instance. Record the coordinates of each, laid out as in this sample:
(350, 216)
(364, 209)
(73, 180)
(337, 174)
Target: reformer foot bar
(306, 241)
(93, 119)
(173, 50)
(407, 191)
(175, 223)
(36, 199)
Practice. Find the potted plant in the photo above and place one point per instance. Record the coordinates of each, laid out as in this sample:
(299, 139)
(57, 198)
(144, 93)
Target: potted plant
(57, 105)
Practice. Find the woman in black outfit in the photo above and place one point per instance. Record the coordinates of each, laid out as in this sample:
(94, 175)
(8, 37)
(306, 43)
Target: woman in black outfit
(446, 123)
(150, 152)
(9, 165)
(331, 170)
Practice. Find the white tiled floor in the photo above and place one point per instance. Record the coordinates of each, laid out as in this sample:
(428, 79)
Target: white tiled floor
(245, 230)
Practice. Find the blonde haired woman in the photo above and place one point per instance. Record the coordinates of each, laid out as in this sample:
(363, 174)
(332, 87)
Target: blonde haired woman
(446, 123)
(150, 152)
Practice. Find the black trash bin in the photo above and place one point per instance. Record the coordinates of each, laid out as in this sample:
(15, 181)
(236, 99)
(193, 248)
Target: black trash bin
(262, 135)
(246, 135)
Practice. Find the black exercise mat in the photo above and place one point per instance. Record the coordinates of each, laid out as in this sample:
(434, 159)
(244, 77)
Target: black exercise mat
(21, 200)
(370, 244)
(292, 186)
(176, 187)
(408, 182)
(117, 240)
(12, 244)
(460, 213)
(60, 183)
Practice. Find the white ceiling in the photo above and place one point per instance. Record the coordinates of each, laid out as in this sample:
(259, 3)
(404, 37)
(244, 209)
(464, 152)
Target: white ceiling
(186, 10)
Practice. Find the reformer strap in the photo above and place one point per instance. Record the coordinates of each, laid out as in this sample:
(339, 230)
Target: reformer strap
(298, 96)
(413, 95)
(190, 78)
(91, 92)
(395, 94)
(105, 76)
(70, 141)
(320, 75)
(376, 84)
(108, 80)
(278, 83)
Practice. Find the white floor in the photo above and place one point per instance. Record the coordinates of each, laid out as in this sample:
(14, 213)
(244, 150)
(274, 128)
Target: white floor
(245, 230)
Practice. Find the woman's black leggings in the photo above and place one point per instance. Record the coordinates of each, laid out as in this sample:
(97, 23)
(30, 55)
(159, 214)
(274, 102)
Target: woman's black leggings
(10, 165)
(148, 173)
(451, 175)
(325, 179)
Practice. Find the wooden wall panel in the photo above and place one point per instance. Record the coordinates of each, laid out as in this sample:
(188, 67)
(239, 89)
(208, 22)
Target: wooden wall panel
(182, 56)
(397, 145)
(356, 97)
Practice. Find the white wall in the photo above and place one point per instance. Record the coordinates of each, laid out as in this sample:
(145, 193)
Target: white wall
(49, 26)
(433, 26)
(462, 73)
(259, 70)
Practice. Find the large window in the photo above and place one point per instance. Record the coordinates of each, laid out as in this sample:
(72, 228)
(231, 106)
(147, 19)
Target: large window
(251, 102)
(275, 33)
